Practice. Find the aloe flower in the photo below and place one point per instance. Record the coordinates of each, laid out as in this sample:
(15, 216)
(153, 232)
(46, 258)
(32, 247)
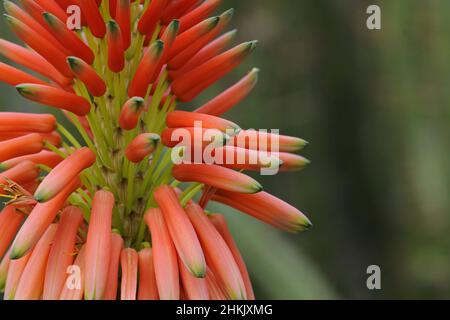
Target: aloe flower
(108, 213)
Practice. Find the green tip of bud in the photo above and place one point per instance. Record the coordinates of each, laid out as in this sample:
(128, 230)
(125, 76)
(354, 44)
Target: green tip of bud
(24, 89)
(158, 47)
(49, 18)
(145, 245)
(17, 253)
(7, 5)
(198, 271)
(302, 144)
(256, 187)
(138, 102)
(154, 139)
(174, 26)
(113, 27)
(213, 21)
(39, 197)
(227, 15)
(74, 63)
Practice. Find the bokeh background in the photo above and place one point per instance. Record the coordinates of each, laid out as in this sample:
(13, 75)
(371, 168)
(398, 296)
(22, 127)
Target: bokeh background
(375, 106)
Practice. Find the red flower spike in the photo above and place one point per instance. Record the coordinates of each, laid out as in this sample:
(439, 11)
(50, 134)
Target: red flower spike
(232, 96)
(146, 70)
(148, 289)
(31, 143)
(54, 97)
(63, 173)
(32, 280)
(181, 231)
(88, 76)
(98, 246)
(221, 225)
(217, 253)
(38, 221)
(129, 264)
(164, 256)
(129, 116)
(68, 38)
(142, 146)
(61, 253)
(113, 270)
(217, 177)
(93, 17)
(10, 221)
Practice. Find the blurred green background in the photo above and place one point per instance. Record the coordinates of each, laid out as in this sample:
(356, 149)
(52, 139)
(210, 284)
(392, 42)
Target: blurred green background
(375, 107)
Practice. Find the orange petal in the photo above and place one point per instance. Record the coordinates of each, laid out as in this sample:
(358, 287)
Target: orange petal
(215, 289)
(198, 14)
(129, 115)
(54, 97)
(15, 270)
(175, 9)
(129, 264)
(180, 119)
(123, 19)
(45, 157)
(98, 246)
(93, 17)
(10, 220)
(38, 221)
(4, 267)
(165, 256)
(151, 16)
(216, 176)
(181, 231)
(221, 225)
(61, 253)
(14, 76)
(258, 140)
(116, 50)
(113, 269)
(31, 143)
(88, 76)
(15, 121)
(32, 280)
(63, 173)
(194, 288)
(148, 289)
(267, 208)
(218, 254)
(142, 146)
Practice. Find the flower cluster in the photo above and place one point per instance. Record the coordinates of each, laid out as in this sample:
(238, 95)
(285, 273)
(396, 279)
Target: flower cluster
(105, 213)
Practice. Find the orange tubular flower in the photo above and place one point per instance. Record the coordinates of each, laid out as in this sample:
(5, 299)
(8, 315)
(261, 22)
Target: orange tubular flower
(13, 76)
(221, 225)
(10, 220)
(93, 17)
(77, 199)
(231, 97)
(31, 143)
(47, 158)
(147, 68)
(31, 60)
(181, 231)
(141, 147)
(41, 45)
(266, 208)
(54, 97)
(73, 289)
(148, 289)
(164, 256)
(38, 221)
(180, 119)
(63, 173)
(15, 270)
(14, 121)
(216, 176)
(68, 39)
(32, 280)
(123, 19)
(113, 270)
(198, 14)
(61, 253)
(88, 76)
(218, 254)
(116, 50)
(131, 110)
(194, 288)
(129, 264)
(98, 246)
